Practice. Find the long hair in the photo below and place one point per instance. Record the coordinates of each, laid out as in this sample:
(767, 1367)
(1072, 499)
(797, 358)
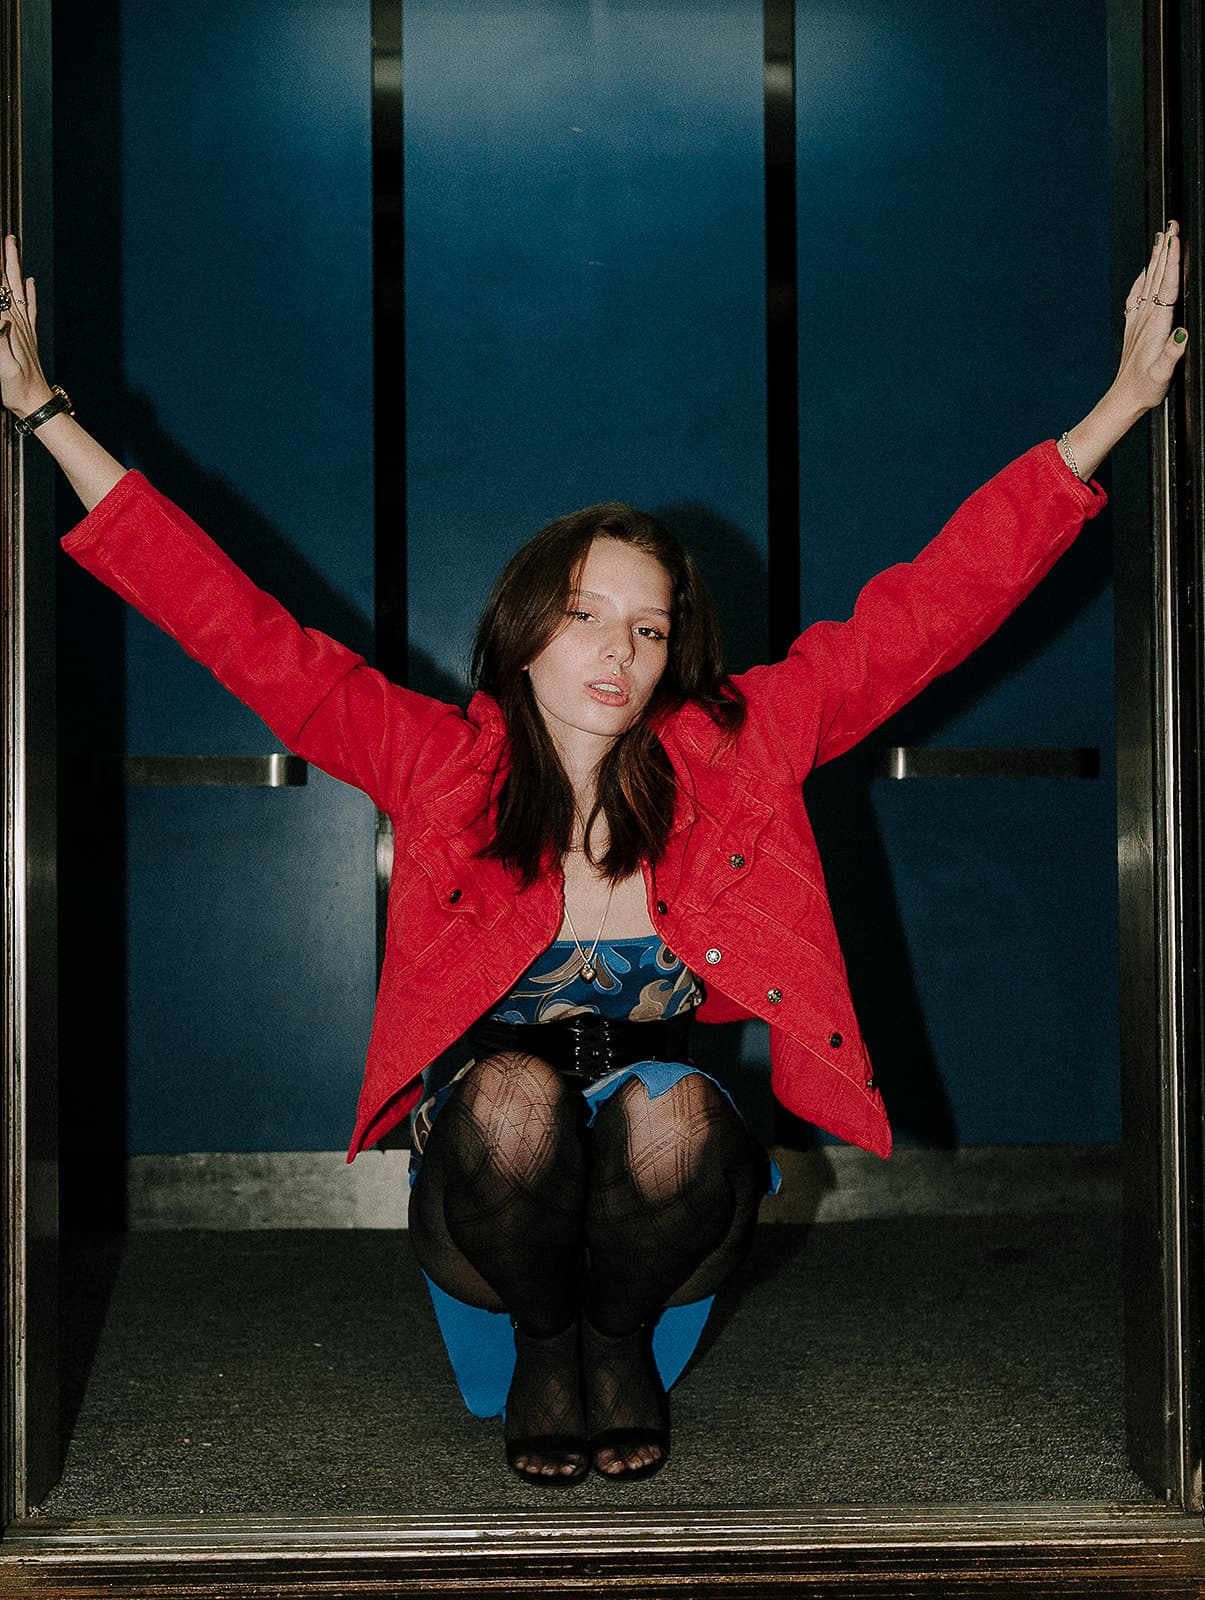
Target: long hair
(635, 790)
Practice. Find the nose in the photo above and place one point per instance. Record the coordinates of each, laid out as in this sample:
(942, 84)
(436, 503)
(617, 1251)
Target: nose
(616, 646)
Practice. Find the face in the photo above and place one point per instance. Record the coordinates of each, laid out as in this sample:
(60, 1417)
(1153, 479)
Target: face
(594, 678)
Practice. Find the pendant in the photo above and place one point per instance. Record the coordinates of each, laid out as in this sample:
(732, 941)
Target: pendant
(587, 972)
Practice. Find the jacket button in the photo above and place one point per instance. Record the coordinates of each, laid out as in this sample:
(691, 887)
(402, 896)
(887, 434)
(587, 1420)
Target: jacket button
(835, 1040)
(662, 908)
(737, 860)
(455, 896)
(711, 957)
(773, 996)
(870, 1083)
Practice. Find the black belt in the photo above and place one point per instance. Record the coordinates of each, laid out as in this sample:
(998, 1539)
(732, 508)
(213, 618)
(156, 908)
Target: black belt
(585, 1047)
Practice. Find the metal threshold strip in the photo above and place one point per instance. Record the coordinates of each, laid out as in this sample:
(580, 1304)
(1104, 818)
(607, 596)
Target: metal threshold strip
(1093, 1548)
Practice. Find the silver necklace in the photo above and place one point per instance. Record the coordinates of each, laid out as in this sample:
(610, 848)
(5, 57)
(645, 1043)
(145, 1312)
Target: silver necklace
(588, 970)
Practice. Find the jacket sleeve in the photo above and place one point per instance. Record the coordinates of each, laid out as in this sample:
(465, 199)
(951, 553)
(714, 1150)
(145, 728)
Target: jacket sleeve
(319, 698)
(914, 621)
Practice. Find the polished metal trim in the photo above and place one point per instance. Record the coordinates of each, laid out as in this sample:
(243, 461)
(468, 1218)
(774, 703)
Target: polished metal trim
(928, 761)
(275, 771)
(1161, 769)
(1169, 777)
(499, 1533)
(30, 1178)
(782, 327)
(1085, 1548)
(389, 340)
(12, 685)
(390, 603)
(1187, 417)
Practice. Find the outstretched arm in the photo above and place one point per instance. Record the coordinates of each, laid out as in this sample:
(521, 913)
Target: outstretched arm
(90, 468)
(317, 696)
(916, 620)
(1149, 354)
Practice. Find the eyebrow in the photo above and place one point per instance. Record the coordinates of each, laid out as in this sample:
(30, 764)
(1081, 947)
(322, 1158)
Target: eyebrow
(590, 594)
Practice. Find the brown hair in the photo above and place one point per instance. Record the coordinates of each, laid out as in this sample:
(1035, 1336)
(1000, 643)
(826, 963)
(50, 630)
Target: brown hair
(635, 780)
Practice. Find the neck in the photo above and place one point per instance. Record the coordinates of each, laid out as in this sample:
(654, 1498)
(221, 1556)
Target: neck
(580, 761)
(585, 792)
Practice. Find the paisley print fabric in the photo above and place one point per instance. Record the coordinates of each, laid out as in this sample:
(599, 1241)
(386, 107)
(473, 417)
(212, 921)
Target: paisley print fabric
(636, 980)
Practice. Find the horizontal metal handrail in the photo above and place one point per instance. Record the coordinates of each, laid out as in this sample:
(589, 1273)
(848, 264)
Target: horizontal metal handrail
(275, 771)
(928, 761)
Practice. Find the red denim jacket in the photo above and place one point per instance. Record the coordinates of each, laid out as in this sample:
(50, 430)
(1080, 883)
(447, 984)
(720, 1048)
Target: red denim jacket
(739, 894)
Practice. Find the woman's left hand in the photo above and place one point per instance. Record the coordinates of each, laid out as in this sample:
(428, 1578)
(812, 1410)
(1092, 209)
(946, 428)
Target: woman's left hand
(1152, 345)
(1151, 350)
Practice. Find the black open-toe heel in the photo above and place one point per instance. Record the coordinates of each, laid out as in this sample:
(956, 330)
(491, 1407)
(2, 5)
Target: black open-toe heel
(625, 1401)
(545, 1401)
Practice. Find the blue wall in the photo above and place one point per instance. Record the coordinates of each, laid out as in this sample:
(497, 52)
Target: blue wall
(954, 293)
(585, 282)
(226, 149)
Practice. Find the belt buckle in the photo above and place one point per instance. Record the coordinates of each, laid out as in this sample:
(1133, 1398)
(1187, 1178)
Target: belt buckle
(591, 1045)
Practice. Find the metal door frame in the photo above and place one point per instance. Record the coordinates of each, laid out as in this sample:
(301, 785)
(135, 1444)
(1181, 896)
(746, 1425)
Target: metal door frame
(1156, 132)
(1154, 1549)
(29, 1452)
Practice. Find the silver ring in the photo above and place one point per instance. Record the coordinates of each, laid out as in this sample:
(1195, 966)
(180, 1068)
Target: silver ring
(6, 298)
(1166, 304)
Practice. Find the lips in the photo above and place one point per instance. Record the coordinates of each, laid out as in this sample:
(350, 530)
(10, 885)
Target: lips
(609, 693)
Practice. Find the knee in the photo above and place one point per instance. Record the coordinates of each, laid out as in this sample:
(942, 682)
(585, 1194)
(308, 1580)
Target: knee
(688, 1137)
(515, 1110)
(511, 1078)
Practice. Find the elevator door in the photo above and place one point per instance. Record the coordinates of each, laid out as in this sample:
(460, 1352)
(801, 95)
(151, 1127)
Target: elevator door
(584, 284)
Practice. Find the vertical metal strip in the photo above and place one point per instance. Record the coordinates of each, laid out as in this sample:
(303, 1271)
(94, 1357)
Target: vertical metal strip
(1180, 789)
(1190, 512)
(1161, 779)
(31, 1456)
(1177, 443)
(12, 656)
(782, 326)
(389, 378)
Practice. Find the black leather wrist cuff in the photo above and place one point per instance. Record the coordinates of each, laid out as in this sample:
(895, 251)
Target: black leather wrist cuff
(60, 401)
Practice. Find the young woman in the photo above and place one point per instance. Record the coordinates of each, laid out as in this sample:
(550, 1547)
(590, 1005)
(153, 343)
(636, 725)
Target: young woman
(610, 838)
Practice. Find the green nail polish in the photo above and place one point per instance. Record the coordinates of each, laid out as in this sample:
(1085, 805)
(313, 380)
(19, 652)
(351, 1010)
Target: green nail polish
(1180, 335)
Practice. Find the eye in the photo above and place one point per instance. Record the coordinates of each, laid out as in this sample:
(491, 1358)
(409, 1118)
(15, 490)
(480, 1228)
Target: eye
(649, 632)
(579, 616)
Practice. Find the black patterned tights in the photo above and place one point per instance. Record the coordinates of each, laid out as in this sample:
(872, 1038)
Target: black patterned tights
(518, 1206)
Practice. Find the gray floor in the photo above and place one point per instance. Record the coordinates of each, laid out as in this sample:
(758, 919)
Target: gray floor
(906, 1360)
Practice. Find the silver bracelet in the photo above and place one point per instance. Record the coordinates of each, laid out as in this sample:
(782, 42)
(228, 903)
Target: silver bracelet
(1068, 455)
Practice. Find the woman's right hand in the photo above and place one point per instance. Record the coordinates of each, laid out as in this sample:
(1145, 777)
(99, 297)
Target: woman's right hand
(23, 388)
(23, 385)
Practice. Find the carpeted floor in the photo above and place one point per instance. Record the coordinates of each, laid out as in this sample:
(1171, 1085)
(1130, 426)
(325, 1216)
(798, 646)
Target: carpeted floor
(910, 1360)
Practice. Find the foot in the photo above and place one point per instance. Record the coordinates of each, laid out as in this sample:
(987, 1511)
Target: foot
(627, 1415)
(545, 1429)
